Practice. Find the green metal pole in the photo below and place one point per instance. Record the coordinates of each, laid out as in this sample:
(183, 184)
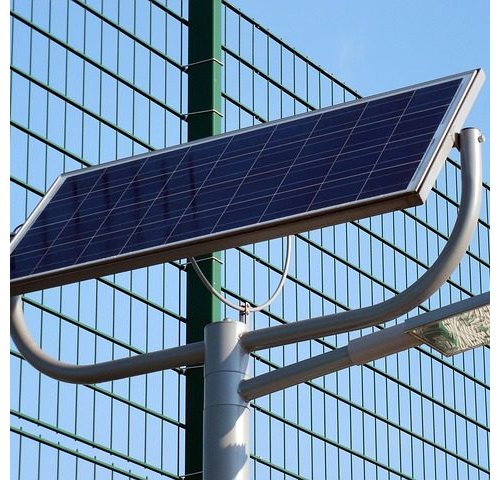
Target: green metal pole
(204, 120)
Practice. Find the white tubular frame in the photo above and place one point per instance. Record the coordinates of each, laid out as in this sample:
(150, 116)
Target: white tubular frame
(227, 345)
(470, 140)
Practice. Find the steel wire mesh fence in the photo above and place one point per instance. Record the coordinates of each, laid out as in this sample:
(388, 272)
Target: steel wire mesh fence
(92, 81)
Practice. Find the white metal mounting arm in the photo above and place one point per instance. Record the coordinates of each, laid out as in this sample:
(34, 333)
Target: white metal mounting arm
(470, 140)
(191, 354)
(359, 351)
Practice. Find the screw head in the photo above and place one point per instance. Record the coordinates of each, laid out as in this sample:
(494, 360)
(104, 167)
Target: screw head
(481, 138)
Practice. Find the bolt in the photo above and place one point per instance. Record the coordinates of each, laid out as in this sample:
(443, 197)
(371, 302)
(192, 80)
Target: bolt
(481, 138)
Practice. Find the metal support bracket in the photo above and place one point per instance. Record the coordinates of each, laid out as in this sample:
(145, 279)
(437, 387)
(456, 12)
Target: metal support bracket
(226, 348)
(185, 68)
(387, 341)
(359, 351)
(193, 354)
(185, 116)
(186, 355)
(201, 260)
(418, 292)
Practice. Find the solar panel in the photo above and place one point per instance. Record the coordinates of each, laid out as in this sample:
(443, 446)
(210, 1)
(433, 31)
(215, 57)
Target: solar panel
(320, 168)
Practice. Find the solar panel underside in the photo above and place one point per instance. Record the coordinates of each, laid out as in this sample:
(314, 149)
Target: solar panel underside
(151, 204)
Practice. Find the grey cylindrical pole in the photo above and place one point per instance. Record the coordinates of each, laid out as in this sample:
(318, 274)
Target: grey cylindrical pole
(226, 429)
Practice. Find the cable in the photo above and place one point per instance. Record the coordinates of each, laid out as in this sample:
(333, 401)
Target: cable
(245, 309)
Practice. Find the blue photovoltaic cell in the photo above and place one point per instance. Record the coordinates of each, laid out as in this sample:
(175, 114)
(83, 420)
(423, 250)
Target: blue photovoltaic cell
(318, 160)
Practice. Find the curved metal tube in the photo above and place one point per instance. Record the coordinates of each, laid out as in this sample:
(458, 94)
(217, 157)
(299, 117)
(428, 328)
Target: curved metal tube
(359, 351)
(191, 354)
(423, 288)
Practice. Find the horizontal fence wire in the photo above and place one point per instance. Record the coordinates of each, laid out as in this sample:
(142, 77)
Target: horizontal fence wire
(93, 81)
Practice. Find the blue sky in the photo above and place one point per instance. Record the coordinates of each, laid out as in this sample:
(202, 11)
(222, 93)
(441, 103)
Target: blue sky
(379, 46)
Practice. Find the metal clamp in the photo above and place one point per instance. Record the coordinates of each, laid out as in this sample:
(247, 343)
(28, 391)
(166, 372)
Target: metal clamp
(185, 116)
(186, 67)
